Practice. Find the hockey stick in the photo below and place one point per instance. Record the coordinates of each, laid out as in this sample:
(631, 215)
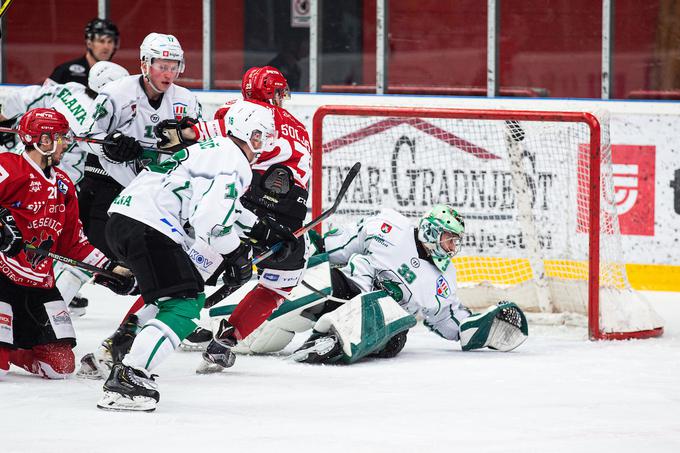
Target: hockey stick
(70, 261)
(92, 140)
(225, 290)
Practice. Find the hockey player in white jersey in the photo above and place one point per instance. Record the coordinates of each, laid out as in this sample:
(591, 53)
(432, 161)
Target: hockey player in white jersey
(384, 261)
(174, 224)
(127, 111)
(76, 103)
(73, 100)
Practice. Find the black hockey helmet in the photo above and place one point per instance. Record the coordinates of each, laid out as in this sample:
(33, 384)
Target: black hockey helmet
(104, 27)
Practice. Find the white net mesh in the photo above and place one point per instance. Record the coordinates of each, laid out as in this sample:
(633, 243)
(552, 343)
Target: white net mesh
(523, 189)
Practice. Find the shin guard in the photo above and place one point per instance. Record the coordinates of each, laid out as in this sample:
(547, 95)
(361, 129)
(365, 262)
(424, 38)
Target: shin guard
(254, 309)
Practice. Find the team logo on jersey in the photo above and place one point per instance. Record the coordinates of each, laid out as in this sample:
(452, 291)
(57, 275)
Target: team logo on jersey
(443, 287)
(46, 243)
(155, 118)
(34, 186)
(415, 262)
(61, 186)
(180, 110)
(76, 69)
(386, 228)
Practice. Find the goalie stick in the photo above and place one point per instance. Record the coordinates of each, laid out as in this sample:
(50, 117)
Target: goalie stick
(225, 290)
(91, 140)
(71, 261)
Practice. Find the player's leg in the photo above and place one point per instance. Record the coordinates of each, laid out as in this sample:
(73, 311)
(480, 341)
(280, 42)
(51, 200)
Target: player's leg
(167, 277)
(276, 280)
(42, 331)
(69, 280)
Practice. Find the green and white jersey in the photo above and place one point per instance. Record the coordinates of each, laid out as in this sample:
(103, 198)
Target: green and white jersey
(70, 100)
(122, 105)
(199, 186)
(380, 252)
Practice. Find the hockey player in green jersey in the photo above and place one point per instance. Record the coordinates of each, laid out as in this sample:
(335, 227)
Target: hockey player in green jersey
(389, 271)
(175, 224)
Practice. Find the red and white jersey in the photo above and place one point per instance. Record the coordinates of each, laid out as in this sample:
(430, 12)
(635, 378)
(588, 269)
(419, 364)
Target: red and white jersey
(46, 212)
(292, 148)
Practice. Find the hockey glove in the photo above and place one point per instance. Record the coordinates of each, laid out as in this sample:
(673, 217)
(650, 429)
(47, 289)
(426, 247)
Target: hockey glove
(123, 149)
(238, 266)
(169, 133)
(8, 139)
(125, 285)
(267, 232)
(11, 240)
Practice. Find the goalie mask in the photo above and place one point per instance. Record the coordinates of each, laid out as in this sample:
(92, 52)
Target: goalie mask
(103, 72)
(441, 232)
(252, 123)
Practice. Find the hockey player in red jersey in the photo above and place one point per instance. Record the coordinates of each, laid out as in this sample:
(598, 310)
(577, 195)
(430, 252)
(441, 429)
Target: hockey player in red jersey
(277, 198)
(38, 207)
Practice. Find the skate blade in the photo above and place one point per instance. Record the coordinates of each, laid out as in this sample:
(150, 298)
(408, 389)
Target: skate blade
(193, 347)
(320, 347)
(89, 369)
(206, 367)
(77, 312)
(112, 401)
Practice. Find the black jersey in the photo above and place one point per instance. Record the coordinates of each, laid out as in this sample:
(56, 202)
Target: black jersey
(75, 70)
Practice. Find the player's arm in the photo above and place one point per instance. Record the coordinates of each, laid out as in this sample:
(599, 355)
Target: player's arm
(20, 101)
(74, 244)
(104, 124)
(341, 243)
(214, 211)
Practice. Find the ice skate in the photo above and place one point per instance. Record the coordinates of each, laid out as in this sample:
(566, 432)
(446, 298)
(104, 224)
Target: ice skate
(129, 389)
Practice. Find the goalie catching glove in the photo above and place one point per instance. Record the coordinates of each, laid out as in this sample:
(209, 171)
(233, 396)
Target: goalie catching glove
(122, 148)
(169, 133)
(124, 285)
(266, 233)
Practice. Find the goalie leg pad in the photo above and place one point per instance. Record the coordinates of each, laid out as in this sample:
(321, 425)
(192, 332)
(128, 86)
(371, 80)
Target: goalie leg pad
(502, 327)
(365, 324)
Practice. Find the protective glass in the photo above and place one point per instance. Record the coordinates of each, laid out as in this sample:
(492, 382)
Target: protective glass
(450, 242)
(65, 138)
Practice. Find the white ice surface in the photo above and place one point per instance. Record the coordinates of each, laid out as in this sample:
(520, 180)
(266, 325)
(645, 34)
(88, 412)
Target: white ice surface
(557, 393)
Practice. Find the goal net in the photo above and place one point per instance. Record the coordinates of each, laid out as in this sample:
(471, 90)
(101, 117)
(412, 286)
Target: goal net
(535, 189)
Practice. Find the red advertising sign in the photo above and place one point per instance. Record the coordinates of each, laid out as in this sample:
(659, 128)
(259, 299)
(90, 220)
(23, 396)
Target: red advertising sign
(634, 174)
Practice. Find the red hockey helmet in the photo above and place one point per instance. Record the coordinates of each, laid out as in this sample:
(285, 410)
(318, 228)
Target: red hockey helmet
(247, 82)
(38, 122)
(268, 83)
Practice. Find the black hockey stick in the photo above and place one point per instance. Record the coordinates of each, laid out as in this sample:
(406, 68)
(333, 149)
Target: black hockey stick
(93, 140)
(225, 290)
(70, 261)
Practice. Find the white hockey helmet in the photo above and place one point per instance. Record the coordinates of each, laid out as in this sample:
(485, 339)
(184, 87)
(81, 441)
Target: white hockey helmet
(103, 72)
(252, 122)
(158, 45)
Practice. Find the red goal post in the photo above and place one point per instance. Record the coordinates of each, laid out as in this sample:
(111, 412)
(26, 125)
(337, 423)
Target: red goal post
(343, 132)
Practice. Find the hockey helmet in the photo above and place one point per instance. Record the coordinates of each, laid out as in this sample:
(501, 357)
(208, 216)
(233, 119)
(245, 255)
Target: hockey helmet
(269, 85)
(441, 224)
(102, 27)
(39, 122)
(160, 46)
(252, 122)
(103, 72)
